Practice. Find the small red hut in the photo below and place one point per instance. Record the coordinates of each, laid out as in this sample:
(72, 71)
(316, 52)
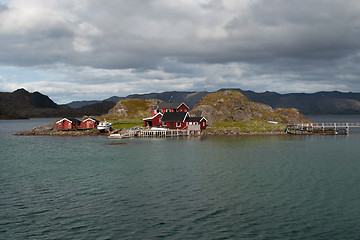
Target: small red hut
(89, 123)
(196, 123)
(68, 124)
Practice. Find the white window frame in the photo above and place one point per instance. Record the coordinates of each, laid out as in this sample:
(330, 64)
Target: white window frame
(178, 124)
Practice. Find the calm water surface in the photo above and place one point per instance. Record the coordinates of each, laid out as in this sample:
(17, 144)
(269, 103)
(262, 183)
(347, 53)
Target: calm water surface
(278, 187)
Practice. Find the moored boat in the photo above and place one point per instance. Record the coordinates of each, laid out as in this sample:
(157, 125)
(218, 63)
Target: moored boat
(103, 126)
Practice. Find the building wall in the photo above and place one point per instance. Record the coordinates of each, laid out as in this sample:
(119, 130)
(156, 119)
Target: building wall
(183, 108)
(202, 124)
(155, 122)
(65, 125)
(174, 125)
(87, 124)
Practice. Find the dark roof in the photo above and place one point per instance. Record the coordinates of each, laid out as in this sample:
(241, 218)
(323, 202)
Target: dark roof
(74, 119)
(174, 116)
(194, 119)
(171, 105)
(70, 119)
(94, 119)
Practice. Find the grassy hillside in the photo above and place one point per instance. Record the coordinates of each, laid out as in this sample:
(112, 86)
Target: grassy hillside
(232, 110)
(131, 109)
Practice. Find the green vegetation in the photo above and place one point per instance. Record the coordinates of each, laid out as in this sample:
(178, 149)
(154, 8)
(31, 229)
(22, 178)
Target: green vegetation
(249, 126)
(125, 123)
(130, 109)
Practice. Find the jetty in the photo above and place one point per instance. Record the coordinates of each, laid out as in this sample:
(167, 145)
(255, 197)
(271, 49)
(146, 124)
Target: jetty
(320, 128)
(155, 133)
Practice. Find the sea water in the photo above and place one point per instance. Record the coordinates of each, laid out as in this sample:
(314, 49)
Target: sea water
(251, 187)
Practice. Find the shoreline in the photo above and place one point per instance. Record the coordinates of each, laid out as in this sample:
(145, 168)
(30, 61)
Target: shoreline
(50, 131)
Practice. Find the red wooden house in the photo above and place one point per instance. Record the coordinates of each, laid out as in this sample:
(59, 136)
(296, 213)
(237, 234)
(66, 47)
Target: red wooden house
(182, 121)
(68, 124)
(174, 116)
(169, 107)
(89, 123)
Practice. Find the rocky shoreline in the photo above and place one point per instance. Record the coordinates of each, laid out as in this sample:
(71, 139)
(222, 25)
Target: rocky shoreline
(52, 131)
(231, 132)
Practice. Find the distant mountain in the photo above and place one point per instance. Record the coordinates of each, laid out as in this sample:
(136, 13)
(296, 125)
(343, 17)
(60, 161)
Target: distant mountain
(309, 103)
(95, 109)
(190, 98)
(23, 104)
(80, 104)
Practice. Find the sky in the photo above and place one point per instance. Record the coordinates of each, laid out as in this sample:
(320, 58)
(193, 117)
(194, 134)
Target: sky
(90, 49)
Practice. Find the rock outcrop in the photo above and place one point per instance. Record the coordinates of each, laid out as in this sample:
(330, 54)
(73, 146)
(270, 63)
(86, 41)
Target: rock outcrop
(232, 106)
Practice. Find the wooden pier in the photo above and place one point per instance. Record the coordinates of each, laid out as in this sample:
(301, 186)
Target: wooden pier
(156, 133)
(321, 128)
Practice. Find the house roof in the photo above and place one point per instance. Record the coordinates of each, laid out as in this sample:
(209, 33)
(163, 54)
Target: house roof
(195, 119)
(150, 118)
(171, 105)
(91, 119)
(69, 119)
(174, 116)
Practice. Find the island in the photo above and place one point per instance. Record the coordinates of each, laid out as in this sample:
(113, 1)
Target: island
(225, 113)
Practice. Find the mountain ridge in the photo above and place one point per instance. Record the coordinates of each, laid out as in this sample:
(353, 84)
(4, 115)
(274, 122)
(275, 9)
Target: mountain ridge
(23, 104)
(318, 103)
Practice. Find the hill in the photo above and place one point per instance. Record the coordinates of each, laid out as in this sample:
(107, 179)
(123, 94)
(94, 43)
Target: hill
(231, 109)
(23, 104)
(131, 109)
(309, 103)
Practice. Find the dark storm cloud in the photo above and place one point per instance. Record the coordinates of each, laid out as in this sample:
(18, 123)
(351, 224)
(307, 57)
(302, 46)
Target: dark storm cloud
(254, 44)
(118, 34)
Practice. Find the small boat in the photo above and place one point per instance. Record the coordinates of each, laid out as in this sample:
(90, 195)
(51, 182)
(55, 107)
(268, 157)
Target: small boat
(119, 135)
(115, 135)
(104, 126)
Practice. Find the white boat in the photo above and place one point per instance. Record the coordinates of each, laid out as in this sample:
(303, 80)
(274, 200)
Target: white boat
(104, 126)
(115, 135)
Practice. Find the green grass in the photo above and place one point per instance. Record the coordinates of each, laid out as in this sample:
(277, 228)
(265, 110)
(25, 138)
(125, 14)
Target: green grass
(126, 123)
(249, 126)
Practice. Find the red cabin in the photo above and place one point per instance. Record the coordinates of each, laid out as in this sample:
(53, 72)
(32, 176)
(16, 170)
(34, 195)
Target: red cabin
(196, 123)
(174, 120)
(89, 123)
(169, 107)
(153, 121)
(68, 124)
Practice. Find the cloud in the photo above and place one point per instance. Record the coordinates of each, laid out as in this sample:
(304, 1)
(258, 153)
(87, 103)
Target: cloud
(143, 46)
